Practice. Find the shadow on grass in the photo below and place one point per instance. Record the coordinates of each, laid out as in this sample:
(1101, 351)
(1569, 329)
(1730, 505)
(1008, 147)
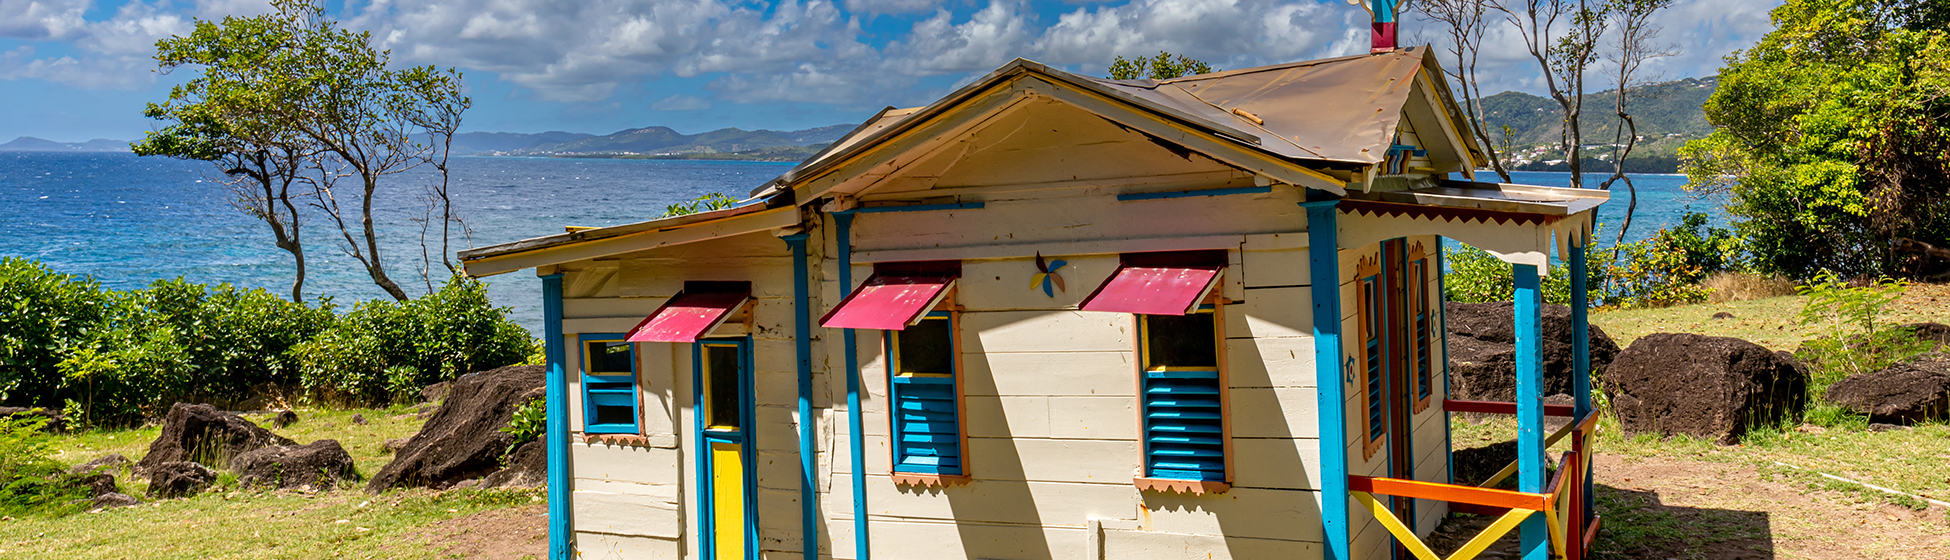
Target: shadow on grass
(1639, 525)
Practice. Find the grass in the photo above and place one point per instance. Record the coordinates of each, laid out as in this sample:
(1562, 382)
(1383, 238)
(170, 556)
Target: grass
(1768, 322)
(226, 522)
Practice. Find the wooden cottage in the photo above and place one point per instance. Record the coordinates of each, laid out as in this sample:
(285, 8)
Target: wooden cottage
(1058, 316)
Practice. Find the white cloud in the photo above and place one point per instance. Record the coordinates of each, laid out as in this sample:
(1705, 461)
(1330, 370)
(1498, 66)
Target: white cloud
(1227, 33)
(681, 103)
(891, 6)
(41, 19)
(89, 72)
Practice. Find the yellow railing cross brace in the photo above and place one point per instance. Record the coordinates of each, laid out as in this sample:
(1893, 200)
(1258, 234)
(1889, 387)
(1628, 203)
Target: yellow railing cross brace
(1512, 467)
(1415, 546)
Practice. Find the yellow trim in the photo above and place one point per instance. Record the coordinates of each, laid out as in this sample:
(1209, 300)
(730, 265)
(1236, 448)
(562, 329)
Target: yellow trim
(709, 372)
(728, 499)
(1490, 534)
(1414, 544)
(1511, 468)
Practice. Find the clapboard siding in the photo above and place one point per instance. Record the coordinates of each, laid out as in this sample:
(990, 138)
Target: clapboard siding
(1292, 515)
(599, 545)
(1182, 546)
(1093, 217)
(895, 538)
(1049, 373)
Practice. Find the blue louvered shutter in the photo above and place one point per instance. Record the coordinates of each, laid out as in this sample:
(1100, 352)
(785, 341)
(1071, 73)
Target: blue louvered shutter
(1371, 306)
(927, 430)
(1184, 436)
(1419, 299)
(609, 401)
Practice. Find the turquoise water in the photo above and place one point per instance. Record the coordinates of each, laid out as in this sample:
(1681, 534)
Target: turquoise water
(129, 221)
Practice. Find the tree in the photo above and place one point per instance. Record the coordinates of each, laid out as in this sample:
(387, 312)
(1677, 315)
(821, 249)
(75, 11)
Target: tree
(1562, 36)
(1633, 47)
(1165, 66)
(1463, 20)
(1832, 137)
(225, 117)
(329, 92)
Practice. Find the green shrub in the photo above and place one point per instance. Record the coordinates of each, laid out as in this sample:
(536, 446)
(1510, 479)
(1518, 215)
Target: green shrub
(1858, 341)
(31, 481)
(1671, 267)
(41, 313)
(384, 350)
(529, 423)
(1476, 276)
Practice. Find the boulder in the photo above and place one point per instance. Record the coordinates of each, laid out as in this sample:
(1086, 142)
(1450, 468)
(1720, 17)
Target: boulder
(179, 479)
(1483, 351)
(114, 500)
(463, 440)
(1905, 393)
(97, 484)
(283, 418)
(203, 434)
(319, 466)
(55, 422)
(1706, 386)
(1932, 332)
(436, 392)
(527, 468)
(358, 419)
(393, 445)
(106, 462)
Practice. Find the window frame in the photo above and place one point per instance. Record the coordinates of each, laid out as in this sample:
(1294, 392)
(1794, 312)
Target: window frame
(1422, 330)
(1215, 303)
(589, 425)
(1372, 348)
(949, 311)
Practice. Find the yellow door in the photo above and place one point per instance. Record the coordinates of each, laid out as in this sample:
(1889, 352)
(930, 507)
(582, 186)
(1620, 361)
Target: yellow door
(728, 500)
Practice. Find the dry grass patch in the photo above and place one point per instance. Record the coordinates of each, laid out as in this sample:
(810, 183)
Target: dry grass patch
(1746, 286)
(1768, 322)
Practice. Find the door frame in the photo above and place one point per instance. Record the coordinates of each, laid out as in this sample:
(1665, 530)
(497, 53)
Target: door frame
(1397, 332)
(746, 438)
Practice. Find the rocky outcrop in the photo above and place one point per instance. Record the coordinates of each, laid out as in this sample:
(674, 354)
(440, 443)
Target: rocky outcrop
(527, 468)
(320, 465)
(179, 479)
(1483, 351)
(283, 419)
(55, 422)
(200, 433)
(463, 439)
(106, 462)
(114, 500)
(1711, 387)
(1905, 393)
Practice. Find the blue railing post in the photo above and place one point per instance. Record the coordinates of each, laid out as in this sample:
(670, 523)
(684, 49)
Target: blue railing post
(1530, 404)
(1324, 262)
(1581, 348)
(802, 337)
(558, 419)
(855, 418)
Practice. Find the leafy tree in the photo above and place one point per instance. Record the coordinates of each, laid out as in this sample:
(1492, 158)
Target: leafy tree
(1832, 137)
(1634, 46)
(1165, 66)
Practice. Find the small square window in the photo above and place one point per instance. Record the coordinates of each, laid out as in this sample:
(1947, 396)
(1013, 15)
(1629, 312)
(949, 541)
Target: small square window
(609, 385)
(1183, 415)
(721, 387)
(926, 398)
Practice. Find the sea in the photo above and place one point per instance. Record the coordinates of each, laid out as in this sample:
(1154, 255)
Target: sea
(128, 221)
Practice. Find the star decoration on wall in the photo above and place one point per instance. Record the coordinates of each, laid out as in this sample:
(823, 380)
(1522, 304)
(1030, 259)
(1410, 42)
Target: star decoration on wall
(1047, 277)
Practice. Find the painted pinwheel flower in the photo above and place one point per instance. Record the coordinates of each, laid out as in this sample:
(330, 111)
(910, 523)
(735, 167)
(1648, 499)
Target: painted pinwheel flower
(1047, 277)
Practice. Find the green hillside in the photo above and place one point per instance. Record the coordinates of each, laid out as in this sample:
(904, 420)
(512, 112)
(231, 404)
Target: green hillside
(1668, 114)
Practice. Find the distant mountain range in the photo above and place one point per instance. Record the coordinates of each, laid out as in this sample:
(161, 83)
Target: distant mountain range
(648, 141)
(1675, 108)
(32, 144)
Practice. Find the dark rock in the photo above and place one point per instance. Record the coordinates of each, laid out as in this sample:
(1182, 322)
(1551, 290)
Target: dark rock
(284, 418)
(393, 445)
(1723, 315)
(1483, 352)
(114, 500)
(97, 484)
(358, 419)
(1476, 465)
(320, 465)
(1905, 393)
(463, 439)
(1933, 332)
(203, 434)
(436, 392)
(106, 462)
(55, 422)
(527, 468)
(178, 479)
(426, 411)
(1711, 387)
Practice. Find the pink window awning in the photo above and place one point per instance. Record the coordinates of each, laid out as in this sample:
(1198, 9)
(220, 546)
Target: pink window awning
(693, 313)
(1165, 283)
(897, 295)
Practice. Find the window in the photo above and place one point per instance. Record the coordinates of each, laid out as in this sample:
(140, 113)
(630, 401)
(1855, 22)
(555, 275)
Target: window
(1422, 322)
(1374, 397)
(922, 369)
(608, 385)
(721, 376)
(1183, 410)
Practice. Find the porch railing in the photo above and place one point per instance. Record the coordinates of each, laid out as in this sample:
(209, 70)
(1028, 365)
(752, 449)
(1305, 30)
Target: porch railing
(1564, 505)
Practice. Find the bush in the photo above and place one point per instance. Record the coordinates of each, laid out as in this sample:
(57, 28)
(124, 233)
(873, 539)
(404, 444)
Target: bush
(41, 313)
(529, 423)
(385, 350)
(31, 481)
(1476, 276)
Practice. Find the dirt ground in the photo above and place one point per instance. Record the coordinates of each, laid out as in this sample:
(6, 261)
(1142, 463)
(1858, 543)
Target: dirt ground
(502, 534)
(1662, 508)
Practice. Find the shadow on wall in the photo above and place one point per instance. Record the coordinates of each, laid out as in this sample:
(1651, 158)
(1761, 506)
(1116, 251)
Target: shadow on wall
(1637, 524)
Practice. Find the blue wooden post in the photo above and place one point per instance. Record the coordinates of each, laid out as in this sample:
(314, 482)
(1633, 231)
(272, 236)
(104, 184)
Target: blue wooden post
(558, 419)
(1442, 307)
(1324, 262)
(855, 418)
(1581, 348)
(802, 338)
(1530, 404)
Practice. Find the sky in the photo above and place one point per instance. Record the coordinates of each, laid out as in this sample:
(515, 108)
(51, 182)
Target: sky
(73, 70)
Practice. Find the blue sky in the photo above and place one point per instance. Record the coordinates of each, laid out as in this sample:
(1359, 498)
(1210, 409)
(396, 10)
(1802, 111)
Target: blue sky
(73, 70)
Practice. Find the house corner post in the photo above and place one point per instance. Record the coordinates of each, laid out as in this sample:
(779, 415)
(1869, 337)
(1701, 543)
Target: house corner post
(1528, 306)
(801, 338)
(1581, 350)
(1324, 263)
(557, 404)
(855, 417)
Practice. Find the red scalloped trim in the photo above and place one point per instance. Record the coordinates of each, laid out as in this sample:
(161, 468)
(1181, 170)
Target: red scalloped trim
(928, 480)
(617, 439)
(1194, 487)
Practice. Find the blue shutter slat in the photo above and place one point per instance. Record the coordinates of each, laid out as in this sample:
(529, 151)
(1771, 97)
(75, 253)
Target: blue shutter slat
(1182, 424)
(929, 434)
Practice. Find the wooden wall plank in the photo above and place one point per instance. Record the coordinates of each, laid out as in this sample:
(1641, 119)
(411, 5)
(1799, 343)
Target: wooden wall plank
(1292, 464)
(624, 514)
(1285, 412)
(893, 538)
(1082, 218)
(1106, 417)
(1270, 362)
(1000, 501)
(1046, 331)
(1145, 545)
(599, 545)
(1272, 313)
(1050, 373)
(1005, 284)
(1292, 515)
(1276, 268)
(623, 463)
(1003, 417)
(1051, 460)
